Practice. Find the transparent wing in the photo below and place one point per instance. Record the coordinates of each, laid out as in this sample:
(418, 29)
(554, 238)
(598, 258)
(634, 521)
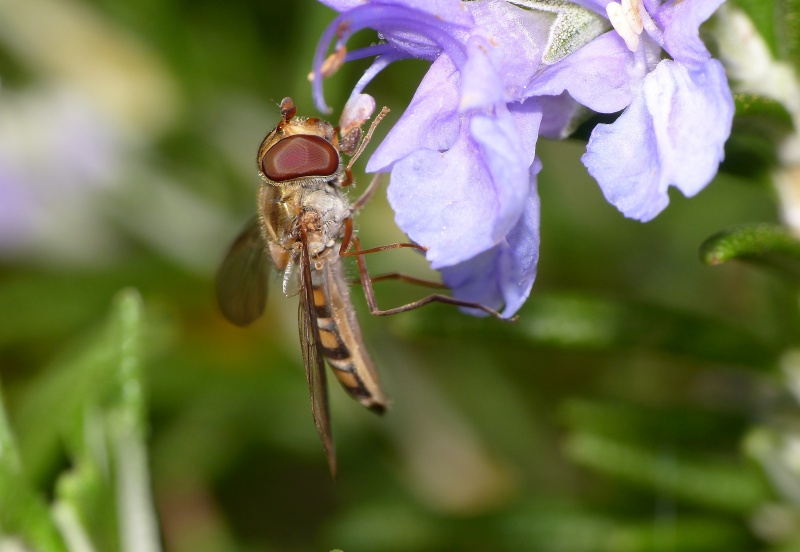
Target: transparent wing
(314, 363)
(243, 277)
(292, 282)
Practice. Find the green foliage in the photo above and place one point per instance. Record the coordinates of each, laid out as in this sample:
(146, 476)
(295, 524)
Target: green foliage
(22, 511)
(563, 529)
(575, 322)
(611, 417)
(778, 22)
(760, 244)
(101, 500)
(759, 124)
(723, 486)
(764, 16)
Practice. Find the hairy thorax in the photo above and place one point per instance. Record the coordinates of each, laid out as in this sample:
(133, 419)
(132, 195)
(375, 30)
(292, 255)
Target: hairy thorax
(317, 209)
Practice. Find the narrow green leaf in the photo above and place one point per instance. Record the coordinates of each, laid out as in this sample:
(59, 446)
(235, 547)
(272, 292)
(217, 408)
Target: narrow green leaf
(84, 496)
(562, 527)
(127, 432)
(778, 23)
(23, 512)
(761, 244)
(680, 535)
(759, 124)
(93, 402)
(683, 426)
(107, 446)
(763, 14)
(128, 332)
(725, 486)
(98, 373)
(595, 324)
(764, 114)
(55, 403)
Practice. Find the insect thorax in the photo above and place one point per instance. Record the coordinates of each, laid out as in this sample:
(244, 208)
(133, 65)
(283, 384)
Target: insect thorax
(311, 208)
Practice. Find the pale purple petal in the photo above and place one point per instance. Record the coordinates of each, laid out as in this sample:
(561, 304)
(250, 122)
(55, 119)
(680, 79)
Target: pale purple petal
(692, 113)
(673, 133)
(430, 122)
(502, 150)
(560, 113)
(452, 16)
(623, 158)
(437, 197)
(517, 34)
(342, 5)
(681, 22)
(436, 8)
(438, 26)
(523, 244)
(527, 118)
(652, 5)
(481, 85)
(416, 25)
(463, 201)
(479, 279)
(503, 276)
(378, 64)
(450, 11)
(462, 156)
(603, 75)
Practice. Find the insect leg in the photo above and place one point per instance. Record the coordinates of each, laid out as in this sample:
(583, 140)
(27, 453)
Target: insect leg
(402, 277)
(408, 279)
(369, 292)
(348, 238)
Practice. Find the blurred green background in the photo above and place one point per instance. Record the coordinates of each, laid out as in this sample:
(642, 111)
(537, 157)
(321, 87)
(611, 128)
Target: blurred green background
(642, 402)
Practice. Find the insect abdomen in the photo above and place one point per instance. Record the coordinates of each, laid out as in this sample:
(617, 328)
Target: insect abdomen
(340, 339)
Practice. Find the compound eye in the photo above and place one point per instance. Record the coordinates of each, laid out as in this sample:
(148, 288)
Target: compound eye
(300, 155)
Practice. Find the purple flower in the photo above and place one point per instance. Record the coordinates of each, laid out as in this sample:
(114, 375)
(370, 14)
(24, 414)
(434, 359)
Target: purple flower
(462, 156)
(677, 112)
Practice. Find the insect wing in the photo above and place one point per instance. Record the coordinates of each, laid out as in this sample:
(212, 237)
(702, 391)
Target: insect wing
(314, 363)
(243, 277)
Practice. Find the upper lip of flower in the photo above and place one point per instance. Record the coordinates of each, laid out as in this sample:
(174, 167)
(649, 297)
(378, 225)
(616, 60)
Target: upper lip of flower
(398, 24)
(465, 121)
(473, 135)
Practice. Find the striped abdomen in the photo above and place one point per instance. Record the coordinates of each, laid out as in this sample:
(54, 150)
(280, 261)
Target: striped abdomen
(340, 340)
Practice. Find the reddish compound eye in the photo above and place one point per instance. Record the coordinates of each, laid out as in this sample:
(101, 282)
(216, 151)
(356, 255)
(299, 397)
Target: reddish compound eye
(300, 155)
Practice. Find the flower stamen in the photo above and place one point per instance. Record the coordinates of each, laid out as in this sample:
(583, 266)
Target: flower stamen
(439, 36)
(331, 64)
(626, 18)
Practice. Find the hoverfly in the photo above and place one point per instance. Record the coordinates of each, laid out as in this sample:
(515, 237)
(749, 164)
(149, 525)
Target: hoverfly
(303, 228)
(302, 218)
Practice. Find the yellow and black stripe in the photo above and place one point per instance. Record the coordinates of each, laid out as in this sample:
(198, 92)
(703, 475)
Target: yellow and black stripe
(338, 354)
